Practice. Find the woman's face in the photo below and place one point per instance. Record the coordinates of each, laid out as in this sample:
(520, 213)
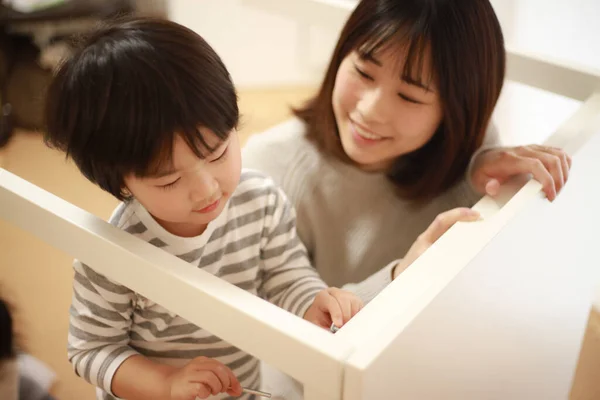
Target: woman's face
(379, 115)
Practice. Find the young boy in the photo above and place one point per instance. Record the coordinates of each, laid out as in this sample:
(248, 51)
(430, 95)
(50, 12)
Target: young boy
(148, 112)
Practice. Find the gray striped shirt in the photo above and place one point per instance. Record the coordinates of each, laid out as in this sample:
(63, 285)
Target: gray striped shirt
(252, 244)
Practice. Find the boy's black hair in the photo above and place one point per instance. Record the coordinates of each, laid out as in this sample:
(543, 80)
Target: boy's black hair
(115, 106)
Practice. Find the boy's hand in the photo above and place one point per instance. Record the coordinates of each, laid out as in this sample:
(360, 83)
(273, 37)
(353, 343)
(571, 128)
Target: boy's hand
(333, 305)
(201, 378)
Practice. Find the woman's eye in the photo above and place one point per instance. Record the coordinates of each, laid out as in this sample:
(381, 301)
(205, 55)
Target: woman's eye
(410, 100)
(363, 73)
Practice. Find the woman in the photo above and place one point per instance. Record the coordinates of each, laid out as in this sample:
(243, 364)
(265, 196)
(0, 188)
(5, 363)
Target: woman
(394, 138)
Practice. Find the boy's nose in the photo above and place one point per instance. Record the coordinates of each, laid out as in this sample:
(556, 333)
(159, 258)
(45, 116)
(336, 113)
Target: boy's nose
(204, 189)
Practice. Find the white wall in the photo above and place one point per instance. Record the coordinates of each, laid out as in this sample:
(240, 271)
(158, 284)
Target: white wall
(259, 48)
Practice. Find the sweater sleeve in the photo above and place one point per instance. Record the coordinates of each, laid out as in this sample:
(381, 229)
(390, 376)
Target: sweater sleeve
(9, 379)
(491, 140)
(100, 320)
(370, 287)
(273, 153)
(262, 153)
(289, 170)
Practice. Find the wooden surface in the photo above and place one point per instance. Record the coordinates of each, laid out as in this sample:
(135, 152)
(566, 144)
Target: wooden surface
(586, 385)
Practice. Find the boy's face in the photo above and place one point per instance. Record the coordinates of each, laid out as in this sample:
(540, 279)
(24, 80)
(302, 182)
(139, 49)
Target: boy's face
(185, 196)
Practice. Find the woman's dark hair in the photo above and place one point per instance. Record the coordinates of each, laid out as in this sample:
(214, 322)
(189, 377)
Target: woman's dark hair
(115, 106)
(7, 345)
(466, 48)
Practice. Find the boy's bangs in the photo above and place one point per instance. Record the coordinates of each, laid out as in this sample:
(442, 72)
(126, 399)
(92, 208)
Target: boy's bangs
(162, 157)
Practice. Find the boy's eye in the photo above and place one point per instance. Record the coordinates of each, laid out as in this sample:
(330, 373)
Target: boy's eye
(363, 73)
(169, 185)
(222, 156)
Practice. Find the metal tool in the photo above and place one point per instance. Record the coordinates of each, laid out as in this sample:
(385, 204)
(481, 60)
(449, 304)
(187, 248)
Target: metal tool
(256, 392)
(333, 328)
(252, 391)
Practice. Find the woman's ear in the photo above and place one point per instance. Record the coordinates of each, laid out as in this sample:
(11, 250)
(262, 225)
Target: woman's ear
(126, 193)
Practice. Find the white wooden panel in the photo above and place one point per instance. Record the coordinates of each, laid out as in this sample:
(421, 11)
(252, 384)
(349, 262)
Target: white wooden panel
(310, 354)
(510, 324)
(556, 76)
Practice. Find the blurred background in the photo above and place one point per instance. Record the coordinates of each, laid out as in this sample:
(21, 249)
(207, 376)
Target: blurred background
(276, 51)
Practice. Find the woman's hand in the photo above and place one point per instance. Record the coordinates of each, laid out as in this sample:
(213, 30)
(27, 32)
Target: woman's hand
(549, 165)
(438, 227)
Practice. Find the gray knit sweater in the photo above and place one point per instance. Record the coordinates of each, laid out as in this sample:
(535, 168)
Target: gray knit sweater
(352, 222)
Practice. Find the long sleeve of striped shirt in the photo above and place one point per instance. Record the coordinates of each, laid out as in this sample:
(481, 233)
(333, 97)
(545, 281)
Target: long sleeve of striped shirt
(289, 281)
(100, 322)
(252, 244)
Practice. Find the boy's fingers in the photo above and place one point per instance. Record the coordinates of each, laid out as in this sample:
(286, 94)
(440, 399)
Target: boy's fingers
(331, 306)
(235, 388)
(209, 379)
(222, 373)
(357, 305)
(345, 303)
(200, 391)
